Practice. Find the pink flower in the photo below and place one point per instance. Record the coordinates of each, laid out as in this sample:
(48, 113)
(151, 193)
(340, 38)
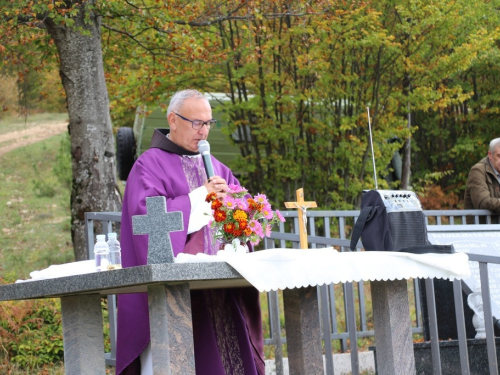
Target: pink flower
(256, 227)
(242, 204)
(261, 198)
(268, 230)
(254, 243)
(267, 211)
(280, 216)
(235, 189)
(229, 202)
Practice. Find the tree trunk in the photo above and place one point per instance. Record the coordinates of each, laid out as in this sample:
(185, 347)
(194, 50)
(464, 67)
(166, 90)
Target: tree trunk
(405, 174)
(92, 142)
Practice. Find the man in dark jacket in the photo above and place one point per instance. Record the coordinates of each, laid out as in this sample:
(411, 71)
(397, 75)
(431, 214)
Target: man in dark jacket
(483, 185)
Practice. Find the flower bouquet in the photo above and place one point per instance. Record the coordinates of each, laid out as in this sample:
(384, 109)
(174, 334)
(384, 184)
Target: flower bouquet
(238, 217)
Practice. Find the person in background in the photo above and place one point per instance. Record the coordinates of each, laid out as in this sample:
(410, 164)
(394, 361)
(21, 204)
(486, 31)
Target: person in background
(483, 184)
(227, 325)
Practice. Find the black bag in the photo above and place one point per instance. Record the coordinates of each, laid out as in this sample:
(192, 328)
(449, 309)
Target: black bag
(401, 228)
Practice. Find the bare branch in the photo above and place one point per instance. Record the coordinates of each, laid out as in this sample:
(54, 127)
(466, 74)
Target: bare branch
(152, 51)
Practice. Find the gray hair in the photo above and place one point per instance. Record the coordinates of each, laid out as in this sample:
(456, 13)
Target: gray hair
(494, 144)
(179, 97)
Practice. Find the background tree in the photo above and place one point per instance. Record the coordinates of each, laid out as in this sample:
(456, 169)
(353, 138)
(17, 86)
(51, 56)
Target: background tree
(75, 31)
(300, 77)
(70, 32)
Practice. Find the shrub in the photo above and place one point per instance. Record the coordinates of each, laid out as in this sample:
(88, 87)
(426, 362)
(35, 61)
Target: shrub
(31, 333)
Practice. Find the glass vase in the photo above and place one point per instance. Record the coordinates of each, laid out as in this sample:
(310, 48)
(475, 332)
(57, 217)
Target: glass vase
(236, 246)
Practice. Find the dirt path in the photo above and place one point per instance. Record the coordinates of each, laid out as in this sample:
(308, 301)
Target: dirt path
(13, 140)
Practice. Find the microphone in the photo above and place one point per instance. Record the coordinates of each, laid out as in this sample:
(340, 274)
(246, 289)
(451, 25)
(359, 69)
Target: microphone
(204, 149)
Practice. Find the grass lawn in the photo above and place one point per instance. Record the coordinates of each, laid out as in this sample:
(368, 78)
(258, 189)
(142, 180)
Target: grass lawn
(34, 219)
(34, 211)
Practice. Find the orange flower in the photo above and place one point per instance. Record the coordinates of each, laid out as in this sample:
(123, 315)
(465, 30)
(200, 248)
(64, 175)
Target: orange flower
(219, 215)
(240, 215)
(237, 232)
(243, 224)
(211, 197)
(247, 231)
(252, 204)
(216, 204)
(229, 228)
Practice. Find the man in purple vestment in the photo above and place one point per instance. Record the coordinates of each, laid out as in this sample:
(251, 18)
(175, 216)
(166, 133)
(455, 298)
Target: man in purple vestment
(227, 324)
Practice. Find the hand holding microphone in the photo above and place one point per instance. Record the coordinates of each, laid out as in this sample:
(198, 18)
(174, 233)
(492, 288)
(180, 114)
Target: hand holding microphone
(204, 149)
(215, 183)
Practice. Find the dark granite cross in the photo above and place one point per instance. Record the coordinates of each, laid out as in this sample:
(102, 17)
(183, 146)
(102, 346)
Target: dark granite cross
(158, 223)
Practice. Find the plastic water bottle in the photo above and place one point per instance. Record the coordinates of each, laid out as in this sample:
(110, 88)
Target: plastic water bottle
(115, 253)
(101, 253)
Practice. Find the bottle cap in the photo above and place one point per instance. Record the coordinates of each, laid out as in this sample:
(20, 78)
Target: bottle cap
(111, 235)
(101, 237)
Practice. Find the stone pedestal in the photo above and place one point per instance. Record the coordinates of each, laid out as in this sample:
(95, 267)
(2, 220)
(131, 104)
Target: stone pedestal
(172, 344)
(83, 334)
(303, 331)
(393, 336)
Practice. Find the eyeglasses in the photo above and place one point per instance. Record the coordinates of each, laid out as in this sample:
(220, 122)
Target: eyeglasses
(198, 124)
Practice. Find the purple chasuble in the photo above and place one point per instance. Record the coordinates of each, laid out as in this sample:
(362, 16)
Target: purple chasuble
(227, 325)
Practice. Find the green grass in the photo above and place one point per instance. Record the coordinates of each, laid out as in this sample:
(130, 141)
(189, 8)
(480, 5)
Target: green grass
(34, 211)
(34, 214)
(16, 123)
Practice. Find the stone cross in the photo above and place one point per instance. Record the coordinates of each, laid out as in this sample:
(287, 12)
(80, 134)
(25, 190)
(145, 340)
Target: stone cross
(158, 223)
(302, 206)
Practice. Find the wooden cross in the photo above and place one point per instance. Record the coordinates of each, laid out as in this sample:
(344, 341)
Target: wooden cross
(303, 206)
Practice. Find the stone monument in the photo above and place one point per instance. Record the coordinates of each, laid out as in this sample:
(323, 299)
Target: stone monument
(158, 223)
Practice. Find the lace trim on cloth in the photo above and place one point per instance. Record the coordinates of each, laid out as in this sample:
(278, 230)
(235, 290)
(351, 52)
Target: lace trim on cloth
(225, 332)
(194, 171)
(275, 269)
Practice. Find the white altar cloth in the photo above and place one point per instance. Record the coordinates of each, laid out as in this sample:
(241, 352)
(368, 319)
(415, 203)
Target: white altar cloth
(61, 270)
(275, 269)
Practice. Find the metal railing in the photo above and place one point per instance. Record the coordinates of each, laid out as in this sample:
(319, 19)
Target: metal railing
(327, 228)
(107, 220)
(483, 261)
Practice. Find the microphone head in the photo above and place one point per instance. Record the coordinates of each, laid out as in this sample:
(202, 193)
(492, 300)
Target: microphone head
(203, 147)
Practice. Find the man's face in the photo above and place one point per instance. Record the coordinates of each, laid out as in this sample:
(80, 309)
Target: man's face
(495, 158)
(181, 131)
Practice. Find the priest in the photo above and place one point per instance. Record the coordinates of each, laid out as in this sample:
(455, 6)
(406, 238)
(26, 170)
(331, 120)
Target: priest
(227, 325)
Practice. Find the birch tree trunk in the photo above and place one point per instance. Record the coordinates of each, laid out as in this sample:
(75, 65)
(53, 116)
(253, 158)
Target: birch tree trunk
(92, 142)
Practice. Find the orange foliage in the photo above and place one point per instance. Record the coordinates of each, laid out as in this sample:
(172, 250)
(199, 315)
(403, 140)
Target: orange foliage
(434, 198)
